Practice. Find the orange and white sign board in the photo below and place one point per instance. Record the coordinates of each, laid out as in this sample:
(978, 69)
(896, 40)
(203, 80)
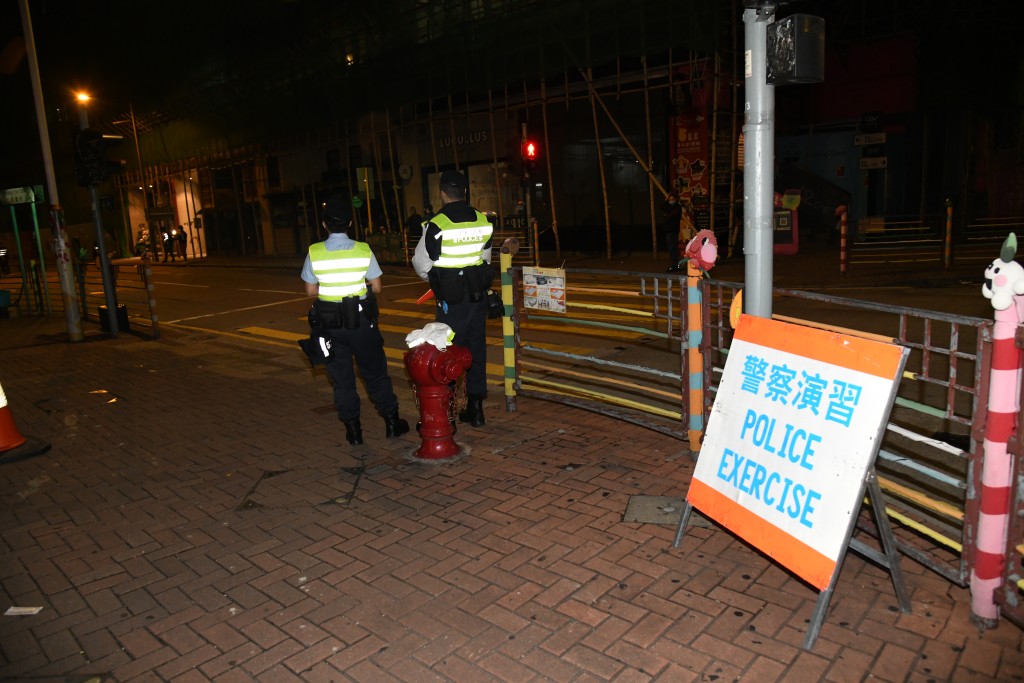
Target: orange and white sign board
(795, 426)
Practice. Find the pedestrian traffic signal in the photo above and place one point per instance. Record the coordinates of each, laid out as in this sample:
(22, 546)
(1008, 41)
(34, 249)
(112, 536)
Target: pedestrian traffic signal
(531, 150)
(91, 164)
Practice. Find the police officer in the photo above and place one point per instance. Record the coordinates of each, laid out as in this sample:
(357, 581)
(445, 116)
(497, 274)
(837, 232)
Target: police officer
(454, 256)
(344, 276)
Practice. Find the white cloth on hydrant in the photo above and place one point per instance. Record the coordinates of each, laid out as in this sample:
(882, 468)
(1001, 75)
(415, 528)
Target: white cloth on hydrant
(438, 334)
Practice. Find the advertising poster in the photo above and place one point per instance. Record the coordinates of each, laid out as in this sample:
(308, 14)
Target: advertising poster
(690, 171)
(544, 289)
(795, 427)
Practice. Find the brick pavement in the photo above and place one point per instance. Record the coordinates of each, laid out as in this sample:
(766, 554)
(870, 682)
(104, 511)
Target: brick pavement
(199, 518)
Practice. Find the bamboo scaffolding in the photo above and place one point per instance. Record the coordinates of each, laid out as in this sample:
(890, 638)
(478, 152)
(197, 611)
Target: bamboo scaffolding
(650, 162)
(394, 181)
(600, 167)
(378, 170)
(451, 129)
(494, 160)
(433, 137)
(551, 175)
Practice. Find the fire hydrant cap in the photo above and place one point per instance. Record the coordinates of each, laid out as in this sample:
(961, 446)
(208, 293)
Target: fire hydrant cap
(437, 334)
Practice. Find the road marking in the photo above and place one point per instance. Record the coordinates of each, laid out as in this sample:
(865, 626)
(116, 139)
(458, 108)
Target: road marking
(269, 291)
(273, 334)
(233, 335)
(236, 310)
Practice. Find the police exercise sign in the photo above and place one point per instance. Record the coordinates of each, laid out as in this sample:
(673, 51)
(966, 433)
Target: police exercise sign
(795, 427)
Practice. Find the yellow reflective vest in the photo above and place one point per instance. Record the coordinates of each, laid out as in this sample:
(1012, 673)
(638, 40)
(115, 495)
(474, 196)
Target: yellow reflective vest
(340, 273)
(462, 244)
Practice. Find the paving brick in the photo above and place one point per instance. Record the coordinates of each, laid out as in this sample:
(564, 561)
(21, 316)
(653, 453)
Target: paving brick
(980, 657)
(187, 663)
(458, 669)
(648, 630)
(58, 645)
(142, 667)
(578, 611)
(643, 660)
(598, 664)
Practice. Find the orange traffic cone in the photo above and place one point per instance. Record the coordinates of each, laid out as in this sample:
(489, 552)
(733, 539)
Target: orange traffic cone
(14, 446)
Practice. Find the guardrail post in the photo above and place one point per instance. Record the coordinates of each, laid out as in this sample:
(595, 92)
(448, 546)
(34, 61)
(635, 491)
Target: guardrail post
(695, 359)
(508, 249)
(997, 464)
(948, 252)
(842, 212)
(147, 278)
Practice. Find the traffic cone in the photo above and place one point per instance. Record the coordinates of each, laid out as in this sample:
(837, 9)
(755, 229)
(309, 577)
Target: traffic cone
(14, 446)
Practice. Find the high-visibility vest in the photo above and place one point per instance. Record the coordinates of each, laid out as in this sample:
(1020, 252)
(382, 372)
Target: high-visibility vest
(462, 244)
(340, 273)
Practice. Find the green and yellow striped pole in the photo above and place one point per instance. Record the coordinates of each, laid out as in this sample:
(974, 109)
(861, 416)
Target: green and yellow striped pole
(508, 249)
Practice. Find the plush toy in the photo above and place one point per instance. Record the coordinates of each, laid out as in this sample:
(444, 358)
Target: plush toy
(1004, 278)
(702, 250)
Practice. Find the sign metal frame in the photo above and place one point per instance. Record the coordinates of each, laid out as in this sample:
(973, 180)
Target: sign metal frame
(888, 557)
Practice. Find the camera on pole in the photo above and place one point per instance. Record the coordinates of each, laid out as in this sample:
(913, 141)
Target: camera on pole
(91, 164)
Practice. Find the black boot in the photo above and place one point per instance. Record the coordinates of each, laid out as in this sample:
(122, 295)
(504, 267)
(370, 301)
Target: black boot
(474, 412)
(354, 432)
(394, 425)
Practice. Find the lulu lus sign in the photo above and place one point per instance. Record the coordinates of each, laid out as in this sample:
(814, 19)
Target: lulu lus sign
(463, 140)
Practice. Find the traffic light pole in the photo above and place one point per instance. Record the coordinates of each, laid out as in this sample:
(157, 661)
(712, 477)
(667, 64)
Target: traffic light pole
(528, 228)
(72, 311)
(108, 285)
(758, 181)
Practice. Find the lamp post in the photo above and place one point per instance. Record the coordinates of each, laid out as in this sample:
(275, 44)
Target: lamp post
(68, 293)
(108, 287)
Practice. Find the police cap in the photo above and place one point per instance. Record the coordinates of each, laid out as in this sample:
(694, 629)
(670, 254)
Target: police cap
(338, 210)
(454, 179)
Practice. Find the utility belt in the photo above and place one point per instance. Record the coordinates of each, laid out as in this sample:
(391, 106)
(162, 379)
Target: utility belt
(453, 285)
(344, 314)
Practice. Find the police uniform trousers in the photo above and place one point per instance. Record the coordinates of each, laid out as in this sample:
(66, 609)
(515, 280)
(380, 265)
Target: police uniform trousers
(366, 345)
(468, 320)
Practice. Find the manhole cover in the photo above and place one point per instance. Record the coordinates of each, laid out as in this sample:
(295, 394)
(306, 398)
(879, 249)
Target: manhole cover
(301, 487)
(660, 510)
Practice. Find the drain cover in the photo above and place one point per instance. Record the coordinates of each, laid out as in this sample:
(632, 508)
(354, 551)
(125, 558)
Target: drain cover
(660, 510)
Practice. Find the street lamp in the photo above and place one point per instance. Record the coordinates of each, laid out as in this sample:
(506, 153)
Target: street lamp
(108, 286)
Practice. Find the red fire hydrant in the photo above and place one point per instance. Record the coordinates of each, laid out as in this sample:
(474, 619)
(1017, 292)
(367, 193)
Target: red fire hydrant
(432, 371)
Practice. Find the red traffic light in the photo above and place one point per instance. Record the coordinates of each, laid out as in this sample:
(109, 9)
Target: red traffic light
(531, 150)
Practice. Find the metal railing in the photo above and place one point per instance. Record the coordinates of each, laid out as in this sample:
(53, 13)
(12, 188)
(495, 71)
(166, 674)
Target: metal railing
(38, 292)
(983, 237)
(918, 239)
(639, 377)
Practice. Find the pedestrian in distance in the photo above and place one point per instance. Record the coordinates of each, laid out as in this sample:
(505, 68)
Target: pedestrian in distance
(673, 212)
(414, 223)
(454, 256)
(345, 277)
(168, 242)
(182, 237)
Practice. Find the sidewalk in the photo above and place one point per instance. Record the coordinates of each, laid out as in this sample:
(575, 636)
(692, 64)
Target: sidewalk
(199, 517)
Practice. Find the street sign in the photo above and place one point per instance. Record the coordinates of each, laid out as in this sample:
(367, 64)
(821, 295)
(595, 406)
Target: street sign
(796, 425)
(22, 195)
(869, 139)
(871, 163)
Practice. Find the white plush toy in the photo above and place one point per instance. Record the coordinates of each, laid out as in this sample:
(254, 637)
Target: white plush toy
(1004, 278)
